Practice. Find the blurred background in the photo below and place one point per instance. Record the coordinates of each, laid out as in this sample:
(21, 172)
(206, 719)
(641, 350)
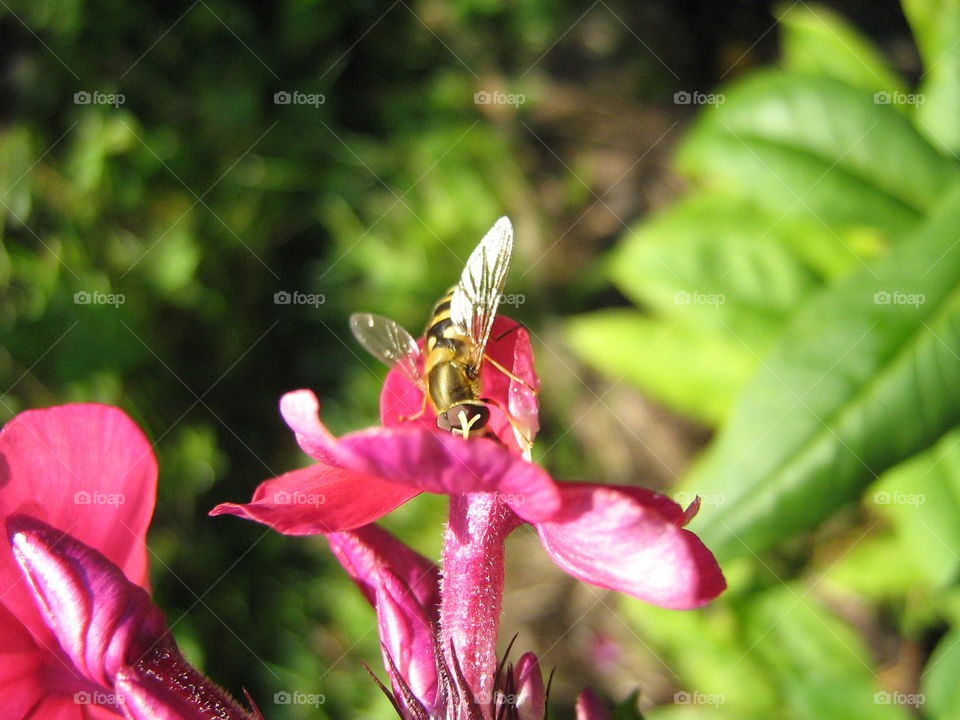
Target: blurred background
(735, 251)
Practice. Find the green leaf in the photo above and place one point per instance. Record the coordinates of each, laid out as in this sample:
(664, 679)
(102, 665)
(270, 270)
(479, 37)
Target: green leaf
(936, 29)
(697, 373)
(629, 708)
(719, 665)
(823, 667)
(921, 499)
(866, 376)
(817, 148)
(723, 264)
(939, 680)
(816, 40)
(878, 567)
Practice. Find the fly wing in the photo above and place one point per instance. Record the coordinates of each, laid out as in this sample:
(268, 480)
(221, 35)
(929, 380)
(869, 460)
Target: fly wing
(477, 295)
(389, 343)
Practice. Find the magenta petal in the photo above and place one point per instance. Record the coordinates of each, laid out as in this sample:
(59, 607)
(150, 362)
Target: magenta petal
(301, 411)
(510, 347)
(401, 403)
(589, 707)
(408, 636)
(367, 552)
(423, 459)
(615, 537)
(101, 620)
(21, 667)
(531, 700)
(319, 499)
(445, 464)
(87, 469)
(404, 587)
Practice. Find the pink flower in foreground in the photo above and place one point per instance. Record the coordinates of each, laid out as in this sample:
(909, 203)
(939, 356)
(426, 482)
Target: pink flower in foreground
(79, 636)
(624, 538)
(620, 537)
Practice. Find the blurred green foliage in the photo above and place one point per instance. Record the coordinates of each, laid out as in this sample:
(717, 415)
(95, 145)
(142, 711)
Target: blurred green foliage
(198, 197)
(801, 298)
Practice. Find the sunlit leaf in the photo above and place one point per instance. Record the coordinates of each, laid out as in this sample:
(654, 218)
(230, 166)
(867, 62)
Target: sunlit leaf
(816, 40)
(818, 148)
(865, 377)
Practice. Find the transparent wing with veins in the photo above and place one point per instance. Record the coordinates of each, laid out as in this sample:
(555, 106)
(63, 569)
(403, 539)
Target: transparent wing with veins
(389, 343)
(477, 295)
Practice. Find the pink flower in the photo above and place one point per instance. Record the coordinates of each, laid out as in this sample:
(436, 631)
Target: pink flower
(79, 636)
(625, 538)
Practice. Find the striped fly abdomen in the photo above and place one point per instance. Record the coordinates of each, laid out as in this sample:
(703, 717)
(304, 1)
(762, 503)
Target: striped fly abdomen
(453, 386)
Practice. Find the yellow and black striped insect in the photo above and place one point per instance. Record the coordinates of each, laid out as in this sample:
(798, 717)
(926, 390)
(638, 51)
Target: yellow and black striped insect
(456, 336)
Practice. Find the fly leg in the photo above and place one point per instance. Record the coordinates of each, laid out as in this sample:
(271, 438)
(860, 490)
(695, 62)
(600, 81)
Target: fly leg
(423, 409)
(526, 444)
(509, 374)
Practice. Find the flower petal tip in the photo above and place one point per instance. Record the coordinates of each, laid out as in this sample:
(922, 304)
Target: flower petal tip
(590, 707)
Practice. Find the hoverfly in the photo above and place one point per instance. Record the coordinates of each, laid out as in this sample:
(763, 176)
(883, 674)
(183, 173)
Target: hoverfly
(456, 337)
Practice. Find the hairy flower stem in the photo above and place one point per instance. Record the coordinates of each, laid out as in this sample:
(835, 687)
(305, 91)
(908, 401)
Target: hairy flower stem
(472, 586)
